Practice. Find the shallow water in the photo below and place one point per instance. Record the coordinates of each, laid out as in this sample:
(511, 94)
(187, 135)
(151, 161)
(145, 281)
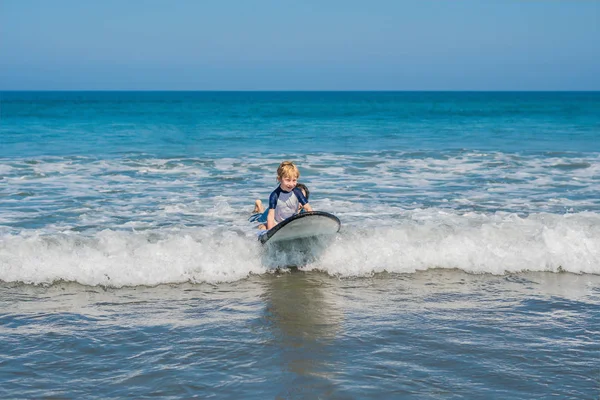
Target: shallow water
(433, 334)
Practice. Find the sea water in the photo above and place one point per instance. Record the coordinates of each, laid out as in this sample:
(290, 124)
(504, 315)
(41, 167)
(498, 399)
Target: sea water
(468, 264)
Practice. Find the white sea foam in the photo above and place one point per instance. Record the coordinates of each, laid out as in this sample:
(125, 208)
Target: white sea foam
(477, 243)
(127, 258)
(103, 222)
(423, 239)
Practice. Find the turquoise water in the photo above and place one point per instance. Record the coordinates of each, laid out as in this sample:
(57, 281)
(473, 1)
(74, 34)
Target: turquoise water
(468, 265)
(230, 124)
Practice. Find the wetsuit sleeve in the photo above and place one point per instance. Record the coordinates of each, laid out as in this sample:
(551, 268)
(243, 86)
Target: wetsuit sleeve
(300, 196)
(273, 199)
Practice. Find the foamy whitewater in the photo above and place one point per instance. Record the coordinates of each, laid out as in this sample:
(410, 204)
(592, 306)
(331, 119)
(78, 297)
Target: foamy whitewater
(146, 221)
(467, 266)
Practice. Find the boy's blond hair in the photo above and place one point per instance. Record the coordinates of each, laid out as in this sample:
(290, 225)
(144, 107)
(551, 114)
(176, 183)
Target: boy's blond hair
(288, 169)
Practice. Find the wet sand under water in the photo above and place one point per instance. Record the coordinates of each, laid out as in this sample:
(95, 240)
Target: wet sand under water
(306, 334)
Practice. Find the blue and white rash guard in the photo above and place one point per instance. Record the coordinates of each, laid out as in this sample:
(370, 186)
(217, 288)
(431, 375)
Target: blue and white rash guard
(285, 203)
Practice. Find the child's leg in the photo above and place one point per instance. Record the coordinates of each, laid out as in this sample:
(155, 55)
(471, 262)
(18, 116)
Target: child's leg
(258, 207)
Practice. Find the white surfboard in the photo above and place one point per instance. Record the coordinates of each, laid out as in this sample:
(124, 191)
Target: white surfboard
(301, 226)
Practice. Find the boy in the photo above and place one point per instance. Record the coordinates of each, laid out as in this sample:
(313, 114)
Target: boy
(286, 198)
(259, 214)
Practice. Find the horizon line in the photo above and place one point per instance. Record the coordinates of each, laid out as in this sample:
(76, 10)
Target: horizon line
(311, 90)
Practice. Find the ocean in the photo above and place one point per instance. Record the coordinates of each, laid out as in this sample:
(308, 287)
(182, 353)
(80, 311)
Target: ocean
(467, 266)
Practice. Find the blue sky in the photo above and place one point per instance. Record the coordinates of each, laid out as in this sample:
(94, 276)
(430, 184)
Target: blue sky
(299, 45)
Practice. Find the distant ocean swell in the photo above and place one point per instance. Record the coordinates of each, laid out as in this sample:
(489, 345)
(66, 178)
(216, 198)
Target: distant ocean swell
(477, 243)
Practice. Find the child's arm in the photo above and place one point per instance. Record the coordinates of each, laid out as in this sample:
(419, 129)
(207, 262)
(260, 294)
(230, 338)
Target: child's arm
(271, 219)
(307, 207)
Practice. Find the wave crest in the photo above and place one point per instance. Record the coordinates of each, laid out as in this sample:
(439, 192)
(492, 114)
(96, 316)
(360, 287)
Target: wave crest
(477, 243)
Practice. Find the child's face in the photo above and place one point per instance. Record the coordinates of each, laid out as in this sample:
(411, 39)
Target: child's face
(288, 183)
